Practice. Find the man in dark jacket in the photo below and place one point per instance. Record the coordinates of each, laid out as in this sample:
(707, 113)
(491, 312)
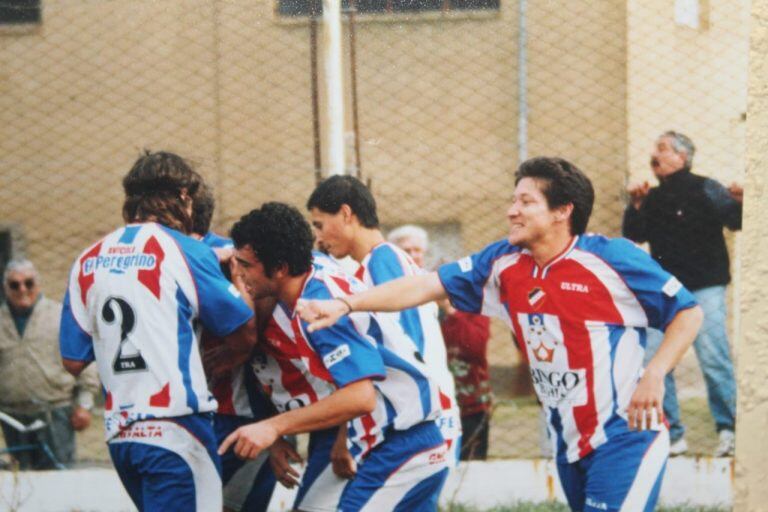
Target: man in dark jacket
(682, 220)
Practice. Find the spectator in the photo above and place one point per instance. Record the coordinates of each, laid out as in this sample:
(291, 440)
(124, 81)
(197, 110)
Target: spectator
(466, 340)
(682, 219)
(35, 385)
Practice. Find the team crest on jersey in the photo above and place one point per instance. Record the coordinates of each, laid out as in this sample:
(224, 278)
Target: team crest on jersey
(536, 297)
(541, 343)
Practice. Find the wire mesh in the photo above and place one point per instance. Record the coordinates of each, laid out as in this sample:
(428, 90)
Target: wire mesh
(449, 96)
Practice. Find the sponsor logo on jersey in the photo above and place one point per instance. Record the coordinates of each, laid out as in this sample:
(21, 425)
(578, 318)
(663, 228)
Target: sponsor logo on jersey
(560, 387)
(119, 263)
(233, 290)
(671, 287)
(337, 355)
(574, 287)
(437, 458)
(465, 264)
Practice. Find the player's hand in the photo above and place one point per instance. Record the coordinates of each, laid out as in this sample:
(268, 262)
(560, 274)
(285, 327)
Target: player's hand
(281, 454)
(80, 419)
(341, 460)
(250, 440)
(321, 313)
(219, 361)
(645, 408)
(737, 192)
(637, 193)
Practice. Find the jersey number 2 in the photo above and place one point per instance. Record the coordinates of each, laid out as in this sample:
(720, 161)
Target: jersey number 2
(125, 360)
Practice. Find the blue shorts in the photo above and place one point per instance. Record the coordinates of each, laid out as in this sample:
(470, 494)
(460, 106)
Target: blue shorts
(320, 489)
(406, 472)
(169, 464)
(248, 484)
(625, 473)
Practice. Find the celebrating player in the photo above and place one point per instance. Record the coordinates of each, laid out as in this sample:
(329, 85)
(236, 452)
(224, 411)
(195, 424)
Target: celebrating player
(579, 306)
(130, 306)
(363, 373)
(345, 221)
(248, 485)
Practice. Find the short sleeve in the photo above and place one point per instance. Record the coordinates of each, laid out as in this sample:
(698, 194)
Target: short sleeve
(348, 355)
(74, 342)
(465, 280)
(221, 309)
(660, 293)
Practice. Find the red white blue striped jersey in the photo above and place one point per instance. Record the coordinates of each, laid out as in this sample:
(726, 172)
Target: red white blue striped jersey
(236, 392)
(581, 320)
(298, 368)
(130, 305)
(387, 262)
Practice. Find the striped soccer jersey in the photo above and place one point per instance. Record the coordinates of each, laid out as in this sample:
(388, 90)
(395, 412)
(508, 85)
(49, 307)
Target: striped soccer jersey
(235, 392)
(302, 368)
(130, 305)
(387, 262)
(581, 321)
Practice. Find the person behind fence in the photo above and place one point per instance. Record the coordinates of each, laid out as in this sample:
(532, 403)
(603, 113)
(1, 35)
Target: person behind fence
(682, 219)
(34, 384)
(579, 305)
(132, 303)
(466, 341)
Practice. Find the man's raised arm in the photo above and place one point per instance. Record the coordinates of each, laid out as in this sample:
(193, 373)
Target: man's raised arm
(403, 293)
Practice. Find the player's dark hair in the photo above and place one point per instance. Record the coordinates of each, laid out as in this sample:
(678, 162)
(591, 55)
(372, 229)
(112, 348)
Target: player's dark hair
(153, 190)
(278, 235)
(203, 205)
(562, 183)
(335, 191)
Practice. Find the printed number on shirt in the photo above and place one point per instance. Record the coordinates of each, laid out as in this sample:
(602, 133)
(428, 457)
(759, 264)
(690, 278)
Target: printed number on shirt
(128, 358)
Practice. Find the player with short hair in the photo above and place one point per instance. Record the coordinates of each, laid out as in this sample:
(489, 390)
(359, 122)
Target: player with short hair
(579, 306)
(362, 373)
(248, 485)
(131, 304)
(344, 218)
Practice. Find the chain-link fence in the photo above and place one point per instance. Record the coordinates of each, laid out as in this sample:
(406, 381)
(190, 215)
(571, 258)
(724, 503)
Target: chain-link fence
(443, 99)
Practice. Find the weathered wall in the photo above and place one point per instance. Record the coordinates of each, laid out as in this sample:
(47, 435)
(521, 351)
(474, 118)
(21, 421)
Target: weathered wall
(751, 491)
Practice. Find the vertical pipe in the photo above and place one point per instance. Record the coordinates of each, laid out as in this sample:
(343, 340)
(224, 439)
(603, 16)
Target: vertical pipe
(333, 86)
(522, 82)
(313, 13)
(353, 84)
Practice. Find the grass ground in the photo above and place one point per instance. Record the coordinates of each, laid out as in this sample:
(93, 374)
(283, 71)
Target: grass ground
(557, 507)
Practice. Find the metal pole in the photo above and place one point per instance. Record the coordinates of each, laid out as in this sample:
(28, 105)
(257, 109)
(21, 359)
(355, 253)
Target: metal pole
(522, 82)
(313, 13)
(333, 86)
(353, 84)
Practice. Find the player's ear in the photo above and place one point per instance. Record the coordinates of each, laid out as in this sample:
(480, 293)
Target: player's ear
(564, 212)
(346, 213)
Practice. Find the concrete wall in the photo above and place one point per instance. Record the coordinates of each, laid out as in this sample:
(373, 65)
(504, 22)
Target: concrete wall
(750, 490)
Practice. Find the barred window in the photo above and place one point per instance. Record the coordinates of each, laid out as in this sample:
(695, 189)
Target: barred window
(19, 12)
(304, 7)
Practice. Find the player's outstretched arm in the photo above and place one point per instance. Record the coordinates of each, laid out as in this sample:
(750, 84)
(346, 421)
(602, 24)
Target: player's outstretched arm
(349, 402)
(403, 293)
(648, 398)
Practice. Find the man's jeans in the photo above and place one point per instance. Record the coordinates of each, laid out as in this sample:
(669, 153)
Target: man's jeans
(713, 353)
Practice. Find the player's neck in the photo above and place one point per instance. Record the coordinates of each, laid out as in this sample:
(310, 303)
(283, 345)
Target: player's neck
(550, 247)
(290, 289)
(365, 241)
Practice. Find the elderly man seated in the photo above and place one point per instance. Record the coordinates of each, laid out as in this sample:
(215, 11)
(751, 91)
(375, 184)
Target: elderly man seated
(34, 384)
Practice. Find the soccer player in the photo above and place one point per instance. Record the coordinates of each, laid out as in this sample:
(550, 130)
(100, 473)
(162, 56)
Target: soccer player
(344, 217)
(248, 485)
(362, 372)
(579, 306)
(131, 304)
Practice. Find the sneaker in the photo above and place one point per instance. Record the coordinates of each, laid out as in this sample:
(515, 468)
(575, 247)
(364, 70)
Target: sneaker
(726, 445)
(678, 447)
